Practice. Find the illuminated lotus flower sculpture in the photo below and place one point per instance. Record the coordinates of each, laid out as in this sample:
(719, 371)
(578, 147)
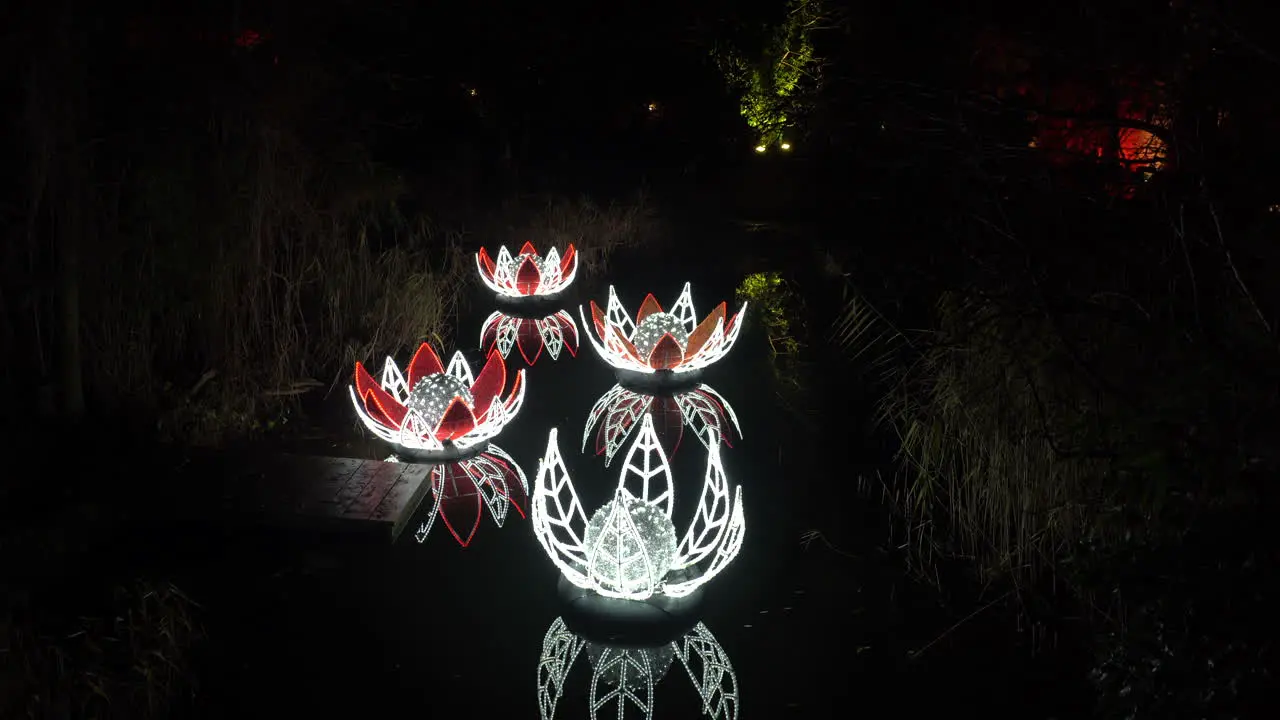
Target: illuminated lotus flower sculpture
(658, 340)
(618, 411)
(555, 332)
(433, 413)
(629, 547)
(462, 489)
(528, 274)
(624, 678)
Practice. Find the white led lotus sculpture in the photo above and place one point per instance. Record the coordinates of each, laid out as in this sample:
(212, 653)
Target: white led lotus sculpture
(553, 333)
(528, 274)
(461, 490)
(618, 411)
(658, 340)
(624, 678)
(430, 412)
(629, 548)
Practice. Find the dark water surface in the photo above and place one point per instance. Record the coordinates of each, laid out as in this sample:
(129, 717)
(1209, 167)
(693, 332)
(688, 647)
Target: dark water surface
(341, 626)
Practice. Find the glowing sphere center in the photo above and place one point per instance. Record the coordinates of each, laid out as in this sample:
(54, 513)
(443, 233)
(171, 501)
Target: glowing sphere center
(631, 545)
(431, 396)
(652, 328)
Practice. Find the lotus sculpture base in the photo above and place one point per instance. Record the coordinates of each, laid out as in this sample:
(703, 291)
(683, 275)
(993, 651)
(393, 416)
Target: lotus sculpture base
(656, 620)
(658, 382)
(449, 453)
(531, 307)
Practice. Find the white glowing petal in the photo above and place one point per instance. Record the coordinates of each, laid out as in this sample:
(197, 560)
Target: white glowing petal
(560, 648)
(437, 492)
(559, 520)
(459, 369)
(627, 665)
(646, 474)
(712, 516)
(683, 309)
(715, 680)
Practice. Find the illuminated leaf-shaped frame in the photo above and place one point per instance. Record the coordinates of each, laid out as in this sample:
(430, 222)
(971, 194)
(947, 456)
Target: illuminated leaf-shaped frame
(704, 410)
(705, 661)
(556, 333)
(715, 535)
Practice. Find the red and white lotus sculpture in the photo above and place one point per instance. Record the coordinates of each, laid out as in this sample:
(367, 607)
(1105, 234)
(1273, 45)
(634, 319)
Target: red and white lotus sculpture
(432, 412)
(461, 490)
(618, 412)
(660, 340)
(553, 333)
(528, 274)
(628, 548)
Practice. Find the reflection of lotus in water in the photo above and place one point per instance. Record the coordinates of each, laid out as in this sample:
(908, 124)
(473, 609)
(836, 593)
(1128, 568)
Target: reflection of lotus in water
(431, 413)
(624, 678)
(661, 341)
(617, 412)
(461, 489)
(555, 332)
(528, 274)
(629, 549)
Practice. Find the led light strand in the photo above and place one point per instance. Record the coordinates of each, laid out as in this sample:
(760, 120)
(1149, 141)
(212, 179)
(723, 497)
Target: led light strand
(555, 333)
(491, 475)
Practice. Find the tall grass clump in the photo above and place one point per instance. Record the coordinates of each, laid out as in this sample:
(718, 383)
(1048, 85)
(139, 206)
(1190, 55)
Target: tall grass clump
(598, 231)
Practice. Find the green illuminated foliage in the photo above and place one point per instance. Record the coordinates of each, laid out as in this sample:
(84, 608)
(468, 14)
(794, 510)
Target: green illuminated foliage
(778, 88)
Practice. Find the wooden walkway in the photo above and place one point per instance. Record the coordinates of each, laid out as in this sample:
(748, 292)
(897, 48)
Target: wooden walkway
(339, 493)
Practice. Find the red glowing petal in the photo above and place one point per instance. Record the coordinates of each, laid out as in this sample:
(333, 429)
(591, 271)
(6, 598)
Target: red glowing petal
(626, 344)
(668, 420)
(598, 318)
(425, 362)
(666, 354)
(490, 334)
(568, 331)
(379, 403)
(515, 391)
(647, 308)
(569, 261)
(458, 420)
(527, 249)
(487, 264)
(530, 341)
(489, 383)
(528, 277)
(702, 333)
(461, 500)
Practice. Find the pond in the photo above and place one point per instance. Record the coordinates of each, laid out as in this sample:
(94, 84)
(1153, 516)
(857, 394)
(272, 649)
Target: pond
(304, 622)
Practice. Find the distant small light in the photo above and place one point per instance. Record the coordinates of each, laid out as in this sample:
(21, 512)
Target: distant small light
(653, 107)
(760, 148)
(785, 146)
(472, 92)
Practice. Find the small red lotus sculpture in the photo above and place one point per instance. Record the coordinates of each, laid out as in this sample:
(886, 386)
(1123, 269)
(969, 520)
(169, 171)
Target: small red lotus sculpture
(527, 274)
(659, 340)
(433, 411)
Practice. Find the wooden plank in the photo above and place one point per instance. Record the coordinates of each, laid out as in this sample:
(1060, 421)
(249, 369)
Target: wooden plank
(402, 501)
(371, 495)
(292, 489)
